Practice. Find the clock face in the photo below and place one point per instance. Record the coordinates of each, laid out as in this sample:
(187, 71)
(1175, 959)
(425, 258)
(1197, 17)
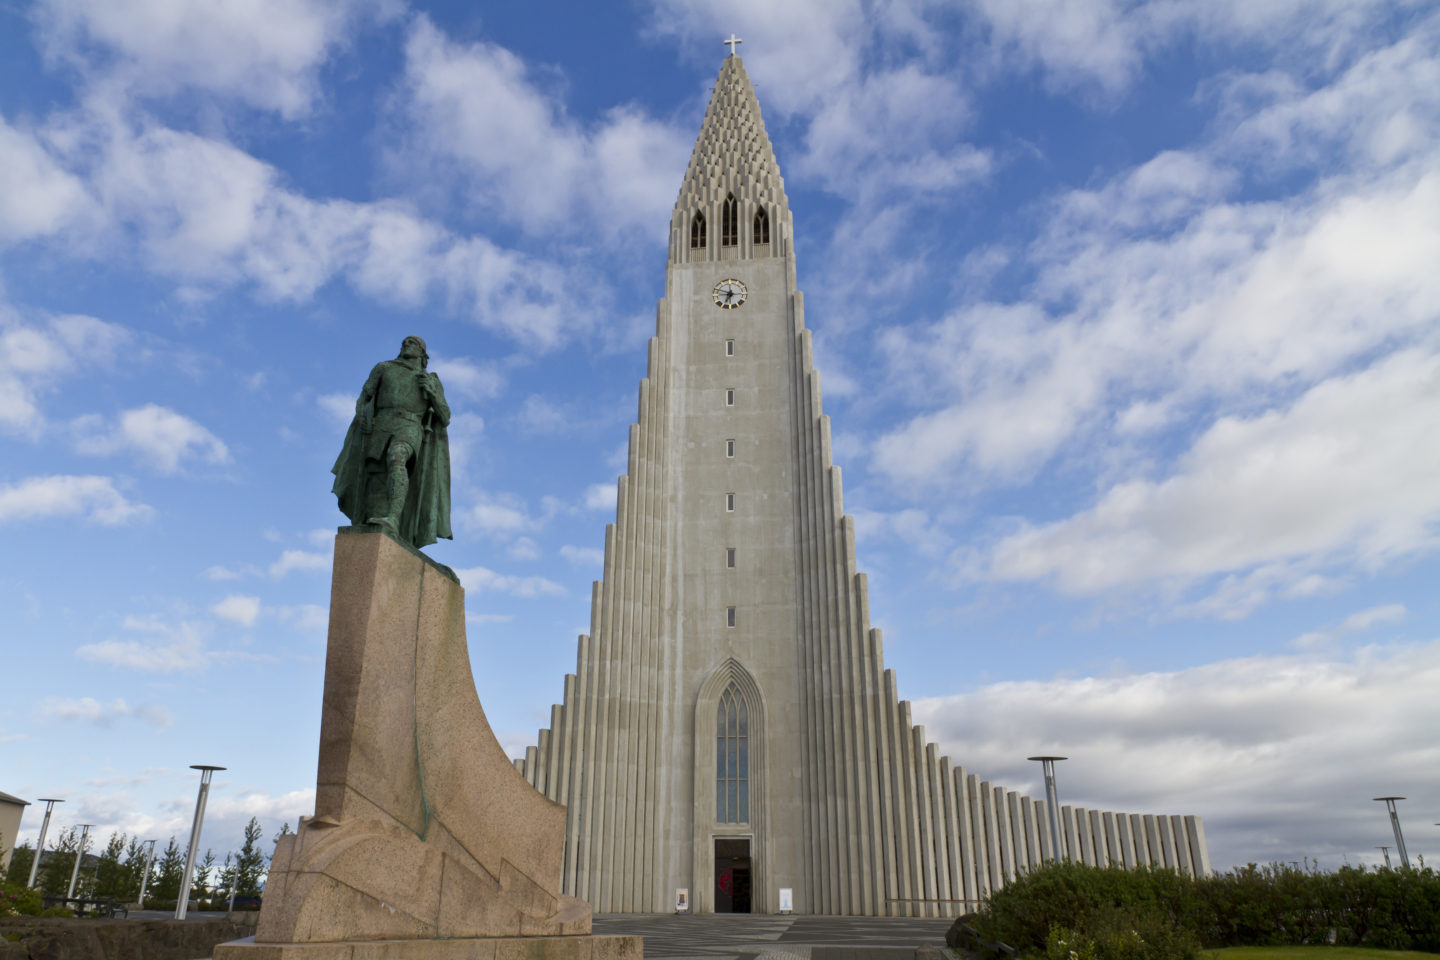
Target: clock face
(729, 294)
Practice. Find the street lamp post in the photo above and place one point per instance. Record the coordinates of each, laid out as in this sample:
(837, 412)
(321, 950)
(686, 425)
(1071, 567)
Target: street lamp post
(1395, 822)
(206, 772)
(145, 880)
(40, 844)
(79, 855)
(1052, 802)
(1386, 852)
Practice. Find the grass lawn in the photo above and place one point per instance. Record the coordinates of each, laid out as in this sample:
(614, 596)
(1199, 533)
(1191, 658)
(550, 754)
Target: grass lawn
(1313, 953)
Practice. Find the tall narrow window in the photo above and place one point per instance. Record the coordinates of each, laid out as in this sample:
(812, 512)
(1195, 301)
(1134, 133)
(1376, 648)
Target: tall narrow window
(729, 448)
(729, 396)
(729, 221)
(730, 557)
(729, 348)
(732, 758)
(697, 230)
(761, 226)
(729, 503)
(729, 616)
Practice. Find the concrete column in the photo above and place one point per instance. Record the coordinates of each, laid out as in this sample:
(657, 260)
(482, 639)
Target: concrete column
(1167, 841)
(992, 835)
(1199, 852)
(1113, 856)
(1087, 842)
(1152, 841)
(966, 837)
(975, 790)
(1004, 835)
(1182, 846)
(1097, 837)
(1072, 834)
(1033, 819)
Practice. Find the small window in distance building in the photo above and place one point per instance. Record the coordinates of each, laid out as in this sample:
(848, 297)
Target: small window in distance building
(697, 230)
(729, 503)
(729, 348)
(730, 557)
(729, 221)
(730, 396)
(762, 226)
(729, 448)
(729, 616)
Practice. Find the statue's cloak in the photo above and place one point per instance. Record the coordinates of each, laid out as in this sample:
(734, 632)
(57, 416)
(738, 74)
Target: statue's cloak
(426, 516)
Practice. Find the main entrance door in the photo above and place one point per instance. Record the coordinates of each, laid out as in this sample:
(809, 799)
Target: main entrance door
(732, 876)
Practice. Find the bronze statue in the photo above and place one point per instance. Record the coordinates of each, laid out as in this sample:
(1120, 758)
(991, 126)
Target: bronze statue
(394, 470)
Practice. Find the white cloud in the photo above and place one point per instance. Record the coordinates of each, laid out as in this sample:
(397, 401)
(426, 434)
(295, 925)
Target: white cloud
(338, 407)
(299, 560)
(218, 572)
(518, 153)
(583, 556)
(168, 647)
(1348, 473)
(158, 437)
(478, 380)
(34, 358)
(239, 609)
(601, 496)
(96, 499)
(913, 527)
(265, 53)
(37, 196)
(504, 515)
(479, 579)
(1234, 741)
(1365, 619)
(89, 710)
(523, 549)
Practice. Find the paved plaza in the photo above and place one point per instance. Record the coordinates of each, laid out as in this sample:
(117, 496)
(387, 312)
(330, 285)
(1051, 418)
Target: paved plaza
(745, 936)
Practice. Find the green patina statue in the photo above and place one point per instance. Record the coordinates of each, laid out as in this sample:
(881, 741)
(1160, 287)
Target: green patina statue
(394, 470)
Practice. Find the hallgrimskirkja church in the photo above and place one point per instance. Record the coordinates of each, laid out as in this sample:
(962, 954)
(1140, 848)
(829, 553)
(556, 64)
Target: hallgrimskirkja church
(730, 729)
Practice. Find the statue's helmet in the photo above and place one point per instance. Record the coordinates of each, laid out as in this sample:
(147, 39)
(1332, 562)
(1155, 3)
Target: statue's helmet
(418, 342)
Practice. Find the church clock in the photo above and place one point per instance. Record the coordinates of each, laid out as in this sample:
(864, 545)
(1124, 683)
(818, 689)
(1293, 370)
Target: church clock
(729, 294)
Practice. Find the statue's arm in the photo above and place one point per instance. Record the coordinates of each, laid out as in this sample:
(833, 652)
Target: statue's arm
(367, 392)
(437, 400)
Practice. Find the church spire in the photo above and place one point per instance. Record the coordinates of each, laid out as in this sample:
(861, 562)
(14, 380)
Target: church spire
(732, 180)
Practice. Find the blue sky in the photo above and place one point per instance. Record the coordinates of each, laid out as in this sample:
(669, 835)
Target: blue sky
(1125, 312)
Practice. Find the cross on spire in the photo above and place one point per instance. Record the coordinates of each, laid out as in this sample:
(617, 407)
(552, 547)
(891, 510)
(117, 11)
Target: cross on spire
(733, 42)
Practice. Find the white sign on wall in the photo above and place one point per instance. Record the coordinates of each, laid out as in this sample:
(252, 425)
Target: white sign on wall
(682, 899)
(787, 900)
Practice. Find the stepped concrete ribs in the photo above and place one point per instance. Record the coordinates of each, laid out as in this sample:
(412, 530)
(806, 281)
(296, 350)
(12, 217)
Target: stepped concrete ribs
(731, 687)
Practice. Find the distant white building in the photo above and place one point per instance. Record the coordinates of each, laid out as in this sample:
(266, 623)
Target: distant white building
(11, 810)
(730, 729)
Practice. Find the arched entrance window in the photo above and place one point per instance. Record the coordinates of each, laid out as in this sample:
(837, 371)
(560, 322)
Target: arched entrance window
(697, 230)
(732, 758)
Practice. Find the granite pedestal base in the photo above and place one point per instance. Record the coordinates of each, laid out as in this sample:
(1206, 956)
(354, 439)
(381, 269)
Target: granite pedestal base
(426, 842)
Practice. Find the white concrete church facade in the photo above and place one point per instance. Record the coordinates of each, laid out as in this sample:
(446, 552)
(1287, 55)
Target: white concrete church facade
(730, 727)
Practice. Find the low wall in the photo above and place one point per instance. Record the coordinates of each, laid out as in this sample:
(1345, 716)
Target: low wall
(63, 938)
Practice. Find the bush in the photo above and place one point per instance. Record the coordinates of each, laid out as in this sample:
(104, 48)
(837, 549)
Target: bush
(1103, 913)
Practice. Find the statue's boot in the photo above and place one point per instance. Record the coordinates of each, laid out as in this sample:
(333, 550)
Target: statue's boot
(399, 487)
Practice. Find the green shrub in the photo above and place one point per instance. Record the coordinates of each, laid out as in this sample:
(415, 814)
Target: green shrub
(1102, 913)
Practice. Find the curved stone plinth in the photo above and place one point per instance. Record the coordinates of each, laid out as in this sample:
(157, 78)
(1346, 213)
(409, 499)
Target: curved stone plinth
(424, 834)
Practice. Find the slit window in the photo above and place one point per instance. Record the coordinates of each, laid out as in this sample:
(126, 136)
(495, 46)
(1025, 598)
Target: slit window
(761, 226)
(729, 221)
(729, 503)
(730, 449)
(732, 758)
(729, 396)
(729, 348)
(697, 230)
(729, 616)
(730, 557)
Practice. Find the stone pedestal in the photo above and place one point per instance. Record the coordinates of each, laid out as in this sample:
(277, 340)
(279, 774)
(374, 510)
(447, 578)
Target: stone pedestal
(425, 842)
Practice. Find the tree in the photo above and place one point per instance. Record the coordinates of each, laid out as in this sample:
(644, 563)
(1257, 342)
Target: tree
(112, 879)
(251, 862)
(54, 878)
(20, 862)
(202, 872)
(134, 868)
(226, 882)
(170, 870)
